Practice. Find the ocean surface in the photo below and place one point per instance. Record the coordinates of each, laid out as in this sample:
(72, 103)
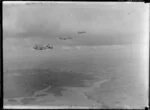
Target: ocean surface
(114, 76)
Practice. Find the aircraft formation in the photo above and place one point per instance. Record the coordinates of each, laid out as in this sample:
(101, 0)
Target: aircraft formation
(48, 46)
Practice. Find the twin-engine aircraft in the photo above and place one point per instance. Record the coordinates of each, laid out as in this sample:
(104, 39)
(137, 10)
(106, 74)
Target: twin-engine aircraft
(65, 38)
(40, 47)
(81, 32)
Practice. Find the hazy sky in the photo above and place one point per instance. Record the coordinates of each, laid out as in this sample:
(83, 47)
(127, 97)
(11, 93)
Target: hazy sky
(104, 23)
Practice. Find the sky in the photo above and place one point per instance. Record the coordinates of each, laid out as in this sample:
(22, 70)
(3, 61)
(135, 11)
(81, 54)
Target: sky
(104, 24)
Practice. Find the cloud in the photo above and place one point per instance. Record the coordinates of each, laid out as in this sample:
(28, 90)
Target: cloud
(78, 47)
(66, 47)
(14, 44)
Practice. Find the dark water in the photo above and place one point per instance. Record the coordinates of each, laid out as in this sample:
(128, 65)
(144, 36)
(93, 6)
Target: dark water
(27, 100)
(40, 95)
(26, 84)
(12, 100)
